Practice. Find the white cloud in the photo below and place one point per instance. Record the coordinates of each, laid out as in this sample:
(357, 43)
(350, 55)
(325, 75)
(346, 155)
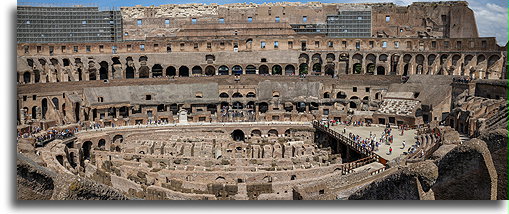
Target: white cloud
(491, 20)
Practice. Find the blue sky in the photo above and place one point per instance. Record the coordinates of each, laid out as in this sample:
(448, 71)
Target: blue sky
(491, 15)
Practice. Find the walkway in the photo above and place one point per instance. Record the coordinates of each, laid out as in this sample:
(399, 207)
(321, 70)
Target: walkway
(363, 131)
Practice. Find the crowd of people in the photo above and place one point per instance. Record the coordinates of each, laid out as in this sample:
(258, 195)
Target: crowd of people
(55, 134)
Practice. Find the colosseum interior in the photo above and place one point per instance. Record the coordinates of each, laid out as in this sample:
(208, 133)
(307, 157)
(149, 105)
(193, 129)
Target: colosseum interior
(267, 102)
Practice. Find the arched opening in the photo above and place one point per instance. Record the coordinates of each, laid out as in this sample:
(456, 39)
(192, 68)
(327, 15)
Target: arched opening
(301, 107)
(196, 70)
(455, 59)
(480, 59)
(357, 68)
(371, 68)
(238, 135)
(237, 105)
(77, 111)
(210, 71)
(329, 69)
(405, 70)
(383, 58)
(44, 104)
(303, 68)
(161, 108)
(289, 70)
(341, 95)
(443, 58)
(157, 70)
(55, 102)
(237, 70)
(103, 70)
(183, 71)
(256, 133)
(431, 59)
(468, 59)
(123, 111)
(273, 133)
(223, 70)
(492, 60)
(34, 112)
(27, 77)
(303, 58)
(378, 96)
(277, 70)
(250, 105)
(330, 57)
(171, 71)
(380, 70)
(80, 74)
(317, 68)
(224, 95)
(250, 95)
(102, 144)
(353, 105)
(263, 70)
(129, 73)
(250, 69)
(326, 95)
(86, 147)
(144, 72)
(37, 76)
(263, 107)
(237, 95)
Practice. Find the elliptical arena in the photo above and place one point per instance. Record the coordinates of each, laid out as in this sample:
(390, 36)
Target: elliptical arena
(267, 102)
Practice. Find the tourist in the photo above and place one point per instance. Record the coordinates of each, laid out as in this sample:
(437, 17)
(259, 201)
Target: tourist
(390, 151)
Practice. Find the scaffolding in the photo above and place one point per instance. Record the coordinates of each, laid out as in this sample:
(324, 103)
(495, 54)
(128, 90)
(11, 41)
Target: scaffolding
(349, 24)
(55, 24)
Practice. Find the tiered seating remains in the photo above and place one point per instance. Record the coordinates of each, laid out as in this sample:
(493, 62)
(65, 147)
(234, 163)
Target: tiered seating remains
(398, 106)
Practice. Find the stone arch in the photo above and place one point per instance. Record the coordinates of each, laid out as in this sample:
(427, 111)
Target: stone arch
(263, 107)
(54, 100)
(44, 107)
(144, 72)
(378, 96)
(171, 71)
(183, 71)
(329, 69)
(196, 70)
(443, 58)
(405, 70)
(468, 58)
(431, 59)
(326, 95)
(223, 70)
(224, 95)
(353, 105)
(370, 68)
(129, 73)
(357, 68)
(380, 70)
(238, 135)
(250, 94)
(289, 70)
(341, 95)
(303, 58)
(143, 58)
(103, 70)
(37, 76)
(317, 67)
(210, 70)
(330, 57)
(34, 112)
(27, 77)
(256, 133)
(317, 58)
(277, 70)
(237, 70)
(263, 70)
(86, 149)
(493, 59)
(237, 95)
(272, 133)
(480, 59)
(101, 144)
(157, 70)
(371, 58)
(250, 69)
(303, 68)
(383, 58)
(455, 59)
